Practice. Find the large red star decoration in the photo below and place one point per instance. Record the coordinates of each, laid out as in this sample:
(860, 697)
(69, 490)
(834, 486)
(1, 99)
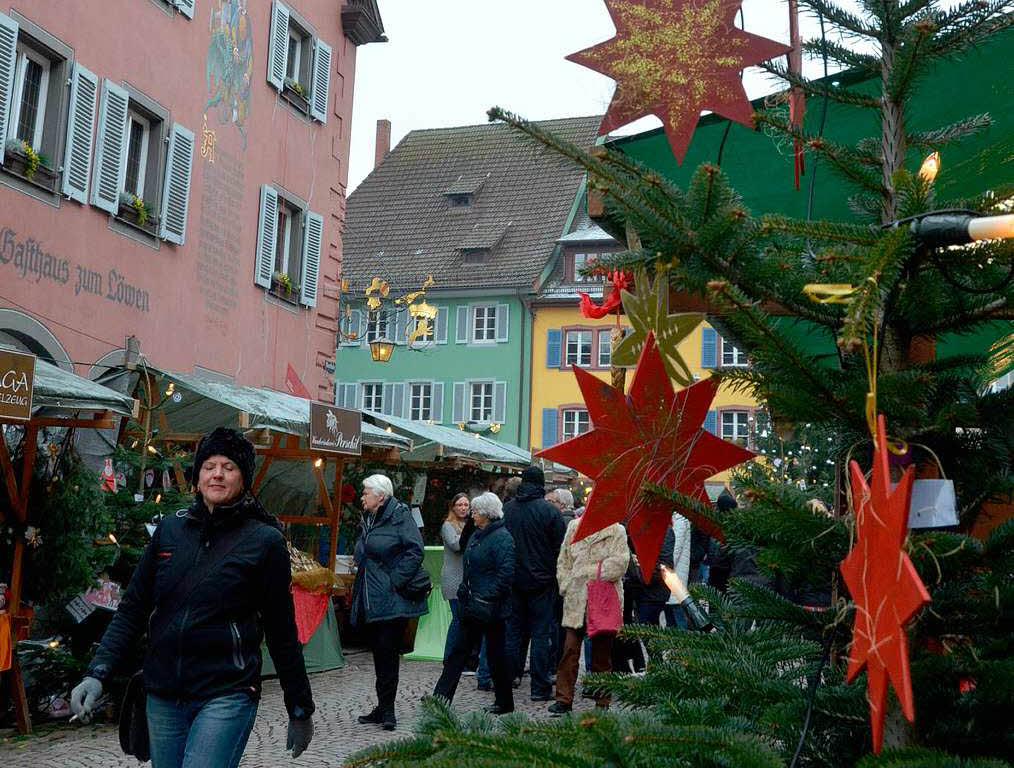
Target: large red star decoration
(673, 58)
(884, 585)
(648, 436)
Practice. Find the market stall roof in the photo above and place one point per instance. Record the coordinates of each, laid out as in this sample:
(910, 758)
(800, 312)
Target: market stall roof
(204, 405)
(56, 388)
(432, 441)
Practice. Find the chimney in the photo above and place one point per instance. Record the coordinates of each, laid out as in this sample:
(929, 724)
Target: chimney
(383, 141)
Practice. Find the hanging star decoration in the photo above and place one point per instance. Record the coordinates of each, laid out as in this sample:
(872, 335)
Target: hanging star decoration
(650, 436)
(884, 585)
(648, 312)
(673, 58)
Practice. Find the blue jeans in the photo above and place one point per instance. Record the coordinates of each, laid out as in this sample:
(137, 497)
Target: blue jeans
(532, 614)
(202, 733)
(452, 629)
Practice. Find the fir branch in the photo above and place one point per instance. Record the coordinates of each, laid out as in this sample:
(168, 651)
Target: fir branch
(949, 134)
(910, 60)
(825, 231)
(969, 24)
(1000, 309)
(819, 89)
(841, 18)
(853, 60)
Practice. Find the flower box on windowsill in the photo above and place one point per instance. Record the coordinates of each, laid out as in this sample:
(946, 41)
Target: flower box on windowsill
(297, 95)
(129, 214)
(17, 163)
(279, 289)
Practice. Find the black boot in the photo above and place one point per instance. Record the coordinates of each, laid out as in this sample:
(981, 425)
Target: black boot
(390, 723)
(376, 715)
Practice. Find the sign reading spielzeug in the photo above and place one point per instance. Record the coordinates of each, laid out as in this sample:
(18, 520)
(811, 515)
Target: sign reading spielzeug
(17, 374)
(336, 430)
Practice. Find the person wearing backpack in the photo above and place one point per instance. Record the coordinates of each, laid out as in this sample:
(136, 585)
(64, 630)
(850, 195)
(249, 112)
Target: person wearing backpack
(212, 583)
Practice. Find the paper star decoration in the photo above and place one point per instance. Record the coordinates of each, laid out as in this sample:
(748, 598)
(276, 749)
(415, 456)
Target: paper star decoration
(648, 312)
(650, 436)
(884, 585)
(673, 58)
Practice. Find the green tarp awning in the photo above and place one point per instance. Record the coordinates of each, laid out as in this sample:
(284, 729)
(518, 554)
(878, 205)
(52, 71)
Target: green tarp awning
(56, 388)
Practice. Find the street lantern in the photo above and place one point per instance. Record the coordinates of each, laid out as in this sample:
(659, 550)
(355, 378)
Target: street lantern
(381, 351)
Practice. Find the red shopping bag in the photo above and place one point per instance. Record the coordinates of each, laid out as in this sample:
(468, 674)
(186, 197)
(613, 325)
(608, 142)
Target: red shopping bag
(604, 613)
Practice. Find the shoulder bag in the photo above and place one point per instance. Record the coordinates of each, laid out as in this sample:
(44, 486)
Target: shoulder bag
(134, 709)
(604, 614)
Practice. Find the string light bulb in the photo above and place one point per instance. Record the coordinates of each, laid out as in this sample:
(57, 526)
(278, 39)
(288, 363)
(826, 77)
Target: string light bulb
(112, 538)
(318, 462)
(930, 167)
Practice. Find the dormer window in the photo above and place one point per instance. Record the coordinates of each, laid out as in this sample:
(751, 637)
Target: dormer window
(475, 256)
(463, 191)
(459, 200)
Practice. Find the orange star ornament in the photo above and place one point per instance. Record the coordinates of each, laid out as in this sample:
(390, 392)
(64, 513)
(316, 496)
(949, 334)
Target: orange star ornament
(649, 436)
(673, 58)
(884, 585)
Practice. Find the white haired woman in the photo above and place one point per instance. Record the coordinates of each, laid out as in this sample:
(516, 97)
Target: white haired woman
(484, 597)
(388, 554)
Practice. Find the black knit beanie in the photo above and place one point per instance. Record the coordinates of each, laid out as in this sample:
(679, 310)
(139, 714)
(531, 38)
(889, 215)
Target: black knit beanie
(533, 475)
(231, 444)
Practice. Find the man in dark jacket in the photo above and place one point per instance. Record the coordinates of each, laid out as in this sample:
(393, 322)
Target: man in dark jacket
(537, 530)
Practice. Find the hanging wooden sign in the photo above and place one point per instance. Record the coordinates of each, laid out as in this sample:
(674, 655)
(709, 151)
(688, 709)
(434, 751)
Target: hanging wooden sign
(336, 430)
(17, 376)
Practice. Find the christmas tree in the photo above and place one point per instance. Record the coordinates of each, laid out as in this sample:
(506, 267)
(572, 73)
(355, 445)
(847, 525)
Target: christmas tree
(767, 687)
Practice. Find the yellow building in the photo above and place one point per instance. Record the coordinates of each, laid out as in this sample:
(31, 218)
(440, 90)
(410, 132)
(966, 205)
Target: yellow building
(561, 336)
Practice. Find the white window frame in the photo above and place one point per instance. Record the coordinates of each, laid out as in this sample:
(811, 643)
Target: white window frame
(605, 341)
(489, 320)
(732, 434)
(472, 385)
(566, 348)
(420, 400)
(142, 161)
(431, 334)
(20, 66)
(378, 325)
(737, 356)
(283, 237)
(373, 395)
(292, 67)
(582, 260)
(571, 422)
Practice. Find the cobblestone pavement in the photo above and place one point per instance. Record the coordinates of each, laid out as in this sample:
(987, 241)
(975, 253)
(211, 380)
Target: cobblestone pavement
(341, 696)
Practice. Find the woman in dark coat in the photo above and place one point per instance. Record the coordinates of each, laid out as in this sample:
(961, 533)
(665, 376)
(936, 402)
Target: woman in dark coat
(211, 584)
(388, 554)
(484, 597)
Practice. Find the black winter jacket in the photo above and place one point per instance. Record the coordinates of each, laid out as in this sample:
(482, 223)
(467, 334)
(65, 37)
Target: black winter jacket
(388, 553)
(211, 646)
(537, 530)
(489, 567)
(655, 591)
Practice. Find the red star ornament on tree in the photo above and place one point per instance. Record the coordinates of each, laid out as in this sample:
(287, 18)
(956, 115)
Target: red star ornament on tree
(649, 436)
(884, 585)
(673, 58)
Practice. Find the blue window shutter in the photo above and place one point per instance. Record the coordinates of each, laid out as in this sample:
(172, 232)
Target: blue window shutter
(320, 80)
(186, 7)
(278, 45)
(711, 422)
(500, 402)
(461, 333)
(458, 403)
(502, 323)
(438, 402)
(397, 399)
(554, 339)
(110, 148)
(709, 348)
(176, 190)
(267, 226)
(77, 153)
(8, 60)
(313, 236)
(352, 396)
(398, 326)
(441, 329)
(387, 406)
(550, 419)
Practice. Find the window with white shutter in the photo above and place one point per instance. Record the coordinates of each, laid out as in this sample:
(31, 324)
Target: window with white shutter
(373, 396)
(110, 147)
(313, 236)
(299, 63)
(289, 244)
(176, 190)
(77, 154)
(185, 7)
(321, 80)
(267, 236)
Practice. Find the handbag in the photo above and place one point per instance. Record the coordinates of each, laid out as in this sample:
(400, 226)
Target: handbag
(604, 614)
(475, 607)
(133, 726)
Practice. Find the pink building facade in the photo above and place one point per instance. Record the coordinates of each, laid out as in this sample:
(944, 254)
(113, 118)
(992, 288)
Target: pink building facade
(175, 171)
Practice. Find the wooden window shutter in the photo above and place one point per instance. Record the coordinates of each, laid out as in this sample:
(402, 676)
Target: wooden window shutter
(462, 332)
(554, 340)
(438, 402)
(339, 395)
(8, 60)
(709, 348)
(278, 45)
(352, 397)
(458, 403)
(355, 326)
(387, 398)
(186, 7)
(397, 399)
(320, 80)
(267, 226)
(711, 422)
(176, 192)
(500, 402)
(397, 326)
(502, 322)
(77, 153)
(110, 147)
(313, 236)
(440, 332)
(550, 420)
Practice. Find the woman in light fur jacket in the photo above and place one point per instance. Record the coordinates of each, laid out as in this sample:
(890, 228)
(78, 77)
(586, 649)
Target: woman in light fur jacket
(578, 564)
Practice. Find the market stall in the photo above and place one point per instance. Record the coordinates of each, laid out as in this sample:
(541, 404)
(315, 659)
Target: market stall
(34, 395)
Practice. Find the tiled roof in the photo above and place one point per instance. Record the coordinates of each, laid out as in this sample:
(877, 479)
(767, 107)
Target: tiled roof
(467, 184)
(402, 227)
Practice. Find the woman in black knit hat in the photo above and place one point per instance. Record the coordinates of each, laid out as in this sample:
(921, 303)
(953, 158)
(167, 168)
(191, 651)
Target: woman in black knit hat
(213, 581)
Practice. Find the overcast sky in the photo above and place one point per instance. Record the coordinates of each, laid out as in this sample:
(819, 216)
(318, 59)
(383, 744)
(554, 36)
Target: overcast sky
(448, 61)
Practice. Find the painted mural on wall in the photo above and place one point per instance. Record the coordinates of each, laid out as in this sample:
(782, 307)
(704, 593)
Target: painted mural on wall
(229, 69)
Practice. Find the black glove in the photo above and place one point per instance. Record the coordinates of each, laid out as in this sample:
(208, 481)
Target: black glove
(300, 735)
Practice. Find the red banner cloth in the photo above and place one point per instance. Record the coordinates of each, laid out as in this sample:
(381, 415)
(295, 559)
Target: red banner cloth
(310, 611)
(6, 645)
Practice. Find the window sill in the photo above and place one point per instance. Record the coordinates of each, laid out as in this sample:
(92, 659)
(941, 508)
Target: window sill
(300, 103)
(289, 297)
(44, 178)
(127, 215)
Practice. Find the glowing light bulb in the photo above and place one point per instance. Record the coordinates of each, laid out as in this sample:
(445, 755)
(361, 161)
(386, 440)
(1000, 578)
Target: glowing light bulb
(930, 167)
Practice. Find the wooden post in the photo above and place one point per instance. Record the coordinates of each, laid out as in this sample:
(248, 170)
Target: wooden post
(336, 521)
